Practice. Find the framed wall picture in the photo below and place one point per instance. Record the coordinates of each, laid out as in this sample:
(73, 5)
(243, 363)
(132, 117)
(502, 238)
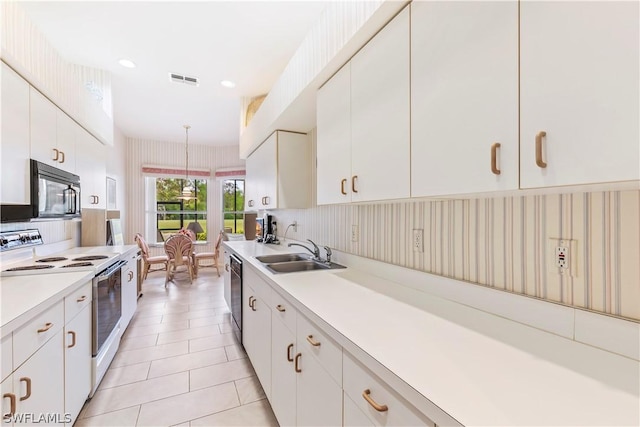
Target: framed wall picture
(111, 194)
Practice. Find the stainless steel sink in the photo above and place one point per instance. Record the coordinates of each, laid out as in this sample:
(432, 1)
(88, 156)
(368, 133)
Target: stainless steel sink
(267, 259)
(297, 266)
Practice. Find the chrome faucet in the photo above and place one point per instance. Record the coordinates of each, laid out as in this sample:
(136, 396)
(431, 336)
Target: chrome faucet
(328, 251)
(315, 251)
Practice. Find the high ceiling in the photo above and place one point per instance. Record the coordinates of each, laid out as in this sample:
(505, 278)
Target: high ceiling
(247, 42)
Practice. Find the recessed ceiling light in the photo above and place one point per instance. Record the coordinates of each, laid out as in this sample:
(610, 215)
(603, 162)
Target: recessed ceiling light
(228, 83)
(127, 63)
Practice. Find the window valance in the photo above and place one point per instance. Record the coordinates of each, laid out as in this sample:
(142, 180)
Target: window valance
(174, 172)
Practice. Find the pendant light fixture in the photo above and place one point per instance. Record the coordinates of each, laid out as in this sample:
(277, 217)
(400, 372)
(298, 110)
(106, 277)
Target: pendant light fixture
(186, 190)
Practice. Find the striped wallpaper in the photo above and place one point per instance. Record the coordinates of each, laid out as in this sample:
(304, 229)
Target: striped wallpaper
(500, 242)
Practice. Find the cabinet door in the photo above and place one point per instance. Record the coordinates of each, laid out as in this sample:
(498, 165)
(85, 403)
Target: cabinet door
(91, 168)
(66, 141)
(129, 293)
(464, 97)
(43, 116)
(266, 173)
(283, 375)
(318, 397)
(380, 149)
(293, 181)
(256, 335)
(77, 362)
(43, 375)
(251, 199)
(579, 84)
(14, 149)
(333, 146)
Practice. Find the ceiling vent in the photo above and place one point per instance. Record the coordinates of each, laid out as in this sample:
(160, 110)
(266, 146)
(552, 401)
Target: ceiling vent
(177, 78)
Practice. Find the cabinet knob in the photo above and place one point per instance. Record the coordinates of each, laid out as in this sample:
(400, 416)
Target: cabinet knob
(367, 396)
(63, 157)
(47, 326)
(342, 183)
(56, 154)
(541, 163)
(251, 203)
(312, 341)
(82, 298)
(353, 183)
(289, 356)
(12, 400)
(73, 339)
(280, 308)
(297, 363)
(27, 381)
(494, 158)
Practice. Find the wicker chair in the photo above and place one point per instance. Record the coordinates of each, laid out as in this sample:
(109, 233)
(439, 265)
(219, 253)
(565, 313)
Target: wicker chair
(148, 260)
(179, 250)
(214, 256)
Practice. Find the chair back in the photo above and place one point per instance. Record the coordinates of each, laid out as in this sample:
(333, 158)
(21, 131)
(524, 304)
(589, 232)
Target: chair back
(142, 244)
(177, 247)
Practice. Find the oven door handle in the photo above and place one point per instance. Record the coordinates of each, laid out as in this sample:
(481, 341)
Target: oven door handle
(105, 274)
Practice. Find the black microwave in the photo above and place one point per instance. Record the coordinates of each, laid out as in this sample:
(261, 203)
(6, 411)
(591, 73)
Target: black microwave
(54, 193)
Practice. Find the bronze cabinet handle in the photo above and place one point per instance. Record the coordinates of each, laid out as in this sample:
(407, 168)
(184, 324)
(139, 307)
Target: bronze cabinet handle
(250, 203)
(12, 399)
(63, 157)
(226, 267)
(494, 158)
(297, 366)
(27, 381)
(353, 183)
(342, 183)
(539, 160)
(73, 339)
(47, 326)
(57, 154)
(373, 403)
(251, 300)
(280, 308)
(289, 356)
(82, 298)
(312, 341)
(253, 305)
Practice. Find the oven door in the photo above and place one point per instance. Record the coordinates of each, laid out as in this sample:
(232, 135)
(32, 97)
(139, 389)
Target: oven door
(107, 308)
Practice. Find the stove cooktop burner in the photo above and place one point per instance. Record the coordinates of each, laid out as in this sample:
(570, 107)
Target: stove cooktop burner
(90, 258)
(77, 264)
(30, 267)
(52, 259)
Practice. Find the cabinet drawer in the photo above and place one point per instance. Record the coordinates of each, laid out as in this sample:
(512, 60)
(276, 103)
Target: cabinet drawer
(27, 339)
(76, 301)
(284, 311)
(6, 357)
(398, 412)
(326, 351)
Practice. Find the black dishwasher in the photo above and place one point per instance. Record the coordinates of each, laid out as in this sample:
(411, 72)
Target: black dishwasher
(236, 295)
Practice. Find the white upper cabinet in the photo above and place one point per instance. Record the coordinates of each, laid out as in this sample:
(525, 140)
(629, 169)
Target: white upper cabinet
(52, 133)
(380, 145)
(464, 97)
(92, 169)
(579, 90)
(363, 145)
(279, 173)
(333, 151)
(15, 137)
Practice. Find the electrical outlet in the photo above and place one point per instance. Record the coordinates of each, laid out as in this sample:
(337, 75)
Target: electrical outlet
(355, 233)
(563, 254)
(418, 240)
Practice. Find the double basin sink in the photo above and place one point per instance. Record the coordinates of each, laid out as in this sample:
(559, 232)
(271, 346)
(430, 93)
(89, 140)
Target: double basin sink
(293, 263)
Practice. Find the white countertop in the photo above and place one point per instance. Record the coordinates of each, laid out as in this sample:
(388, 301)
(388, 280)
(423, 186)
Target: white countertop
(479, 368)
(24, 297)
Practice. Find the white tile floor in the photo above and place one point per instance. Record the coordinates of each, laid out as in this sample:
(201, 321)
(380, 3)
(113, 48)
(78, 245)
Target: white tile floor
(179, 363)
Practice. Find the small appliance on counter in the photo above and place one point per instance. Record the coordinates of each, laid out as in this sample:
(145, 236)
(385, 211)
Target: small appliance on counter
(266, 230)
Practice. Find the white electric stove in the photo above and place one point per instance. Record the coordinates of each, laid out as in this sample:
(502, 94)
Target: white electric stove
(18, 259)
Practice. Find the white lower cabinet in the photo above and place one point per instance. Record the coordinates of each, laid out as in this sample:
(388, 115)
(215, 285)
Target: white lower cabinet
(256, 331)
(48, 378)
(283, 374)
(77, 362)
(129, 290)
(382, 405)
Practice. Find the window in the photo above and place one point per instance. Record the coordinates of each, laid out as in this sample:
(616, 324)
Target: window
(233, 205)
(167, 214)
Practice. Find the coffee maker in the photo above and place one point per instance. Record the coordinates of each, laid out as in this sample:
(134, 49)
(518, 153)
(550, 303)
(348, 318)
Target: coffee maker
(269, 229)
